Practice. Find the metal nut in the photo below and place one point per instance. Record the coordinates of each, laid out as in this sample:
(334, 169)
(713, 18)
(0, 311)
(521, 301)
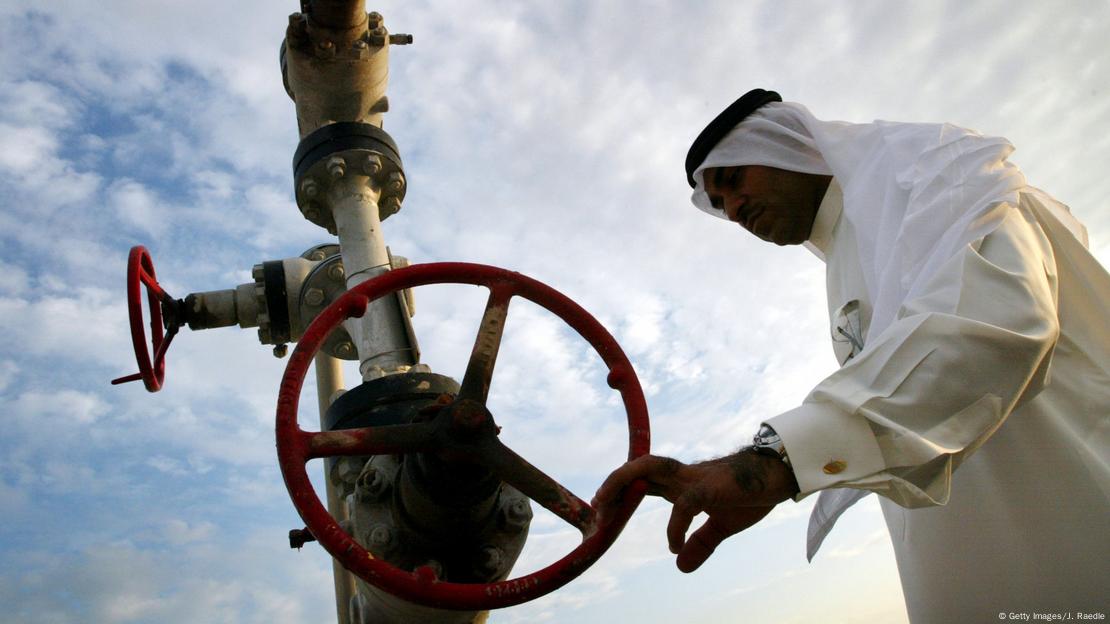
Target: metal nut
(373, 165)
(371, 485)
(314, 296)
(325, 49)
(309, 188)
(381, 538)
(396, 182)
(489, 562)
(335, 272)
(391, 205)
(337, 167)
(345, 349)
(516, 515)
(345, 470)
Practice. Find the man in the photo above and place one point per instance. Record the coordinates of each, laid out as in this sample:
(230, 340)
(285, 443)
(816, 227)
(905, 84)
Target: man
(970, 322)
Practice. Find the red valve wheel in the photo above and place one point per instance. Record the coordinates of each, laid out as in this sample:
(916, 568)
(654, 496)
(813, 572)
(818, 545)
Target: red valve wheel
(140, 272)
(296, 447)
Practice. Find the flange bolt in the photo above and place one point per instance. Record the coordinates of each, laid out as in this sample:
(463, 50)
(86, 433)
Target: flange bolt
(516, 515)
(489, 562)
(336, 167)
(314, 296)
(396, 182)
(381, 538)
(335, 272)
(373, 165)
(371, 484)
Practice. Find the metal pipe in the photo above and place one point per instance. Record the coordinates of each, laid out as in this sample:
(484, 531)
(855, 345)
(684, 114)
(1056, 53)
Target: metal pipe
(329, 382)
(335, 65)
(380, 337)
(338, 14)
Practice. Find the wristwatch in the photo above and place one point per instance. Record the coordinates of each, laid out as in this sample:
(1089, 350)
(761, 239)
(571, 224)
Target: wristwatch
(767, 442)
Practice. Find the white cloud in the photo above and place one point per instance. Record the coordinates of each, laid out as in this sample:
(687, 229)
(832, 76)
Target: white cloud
(57, 409)
(77, 326)
(215, 582)
(137, 206)
(22, 150)
(178, 532)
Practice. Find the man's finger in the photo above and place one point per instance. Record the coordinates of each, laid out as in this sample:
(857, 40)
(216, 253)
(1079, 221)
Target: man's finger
(682, 514)
(701, 544)
(650, 467)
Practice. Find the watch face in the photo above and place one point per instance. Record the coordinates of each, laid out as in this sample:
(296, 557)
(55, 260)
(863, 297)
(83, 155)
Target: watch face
(767, 440)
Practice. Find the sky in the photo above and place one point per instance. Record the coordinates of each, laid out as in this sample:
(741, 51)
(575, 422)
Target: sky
(547, 138)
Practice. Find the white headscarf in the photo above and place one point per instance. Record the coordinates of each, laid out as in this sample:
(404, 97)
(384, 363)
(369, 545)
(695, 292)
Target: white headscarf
(774, 136)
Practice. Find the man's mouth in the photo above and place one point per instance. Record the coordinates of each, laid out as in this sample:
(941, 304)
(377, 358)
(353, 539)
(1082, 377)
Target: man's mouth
(747, 220)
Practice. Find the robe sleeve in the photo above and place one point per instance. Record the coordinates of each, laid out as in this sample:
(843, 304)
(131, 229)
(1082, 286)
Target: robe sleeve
(931, 388)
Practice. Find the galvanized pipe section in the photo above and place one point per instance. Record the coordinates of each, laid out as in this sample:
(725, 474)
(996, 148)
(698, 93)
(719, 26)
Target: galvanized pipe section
(329, 383)
(380, 337)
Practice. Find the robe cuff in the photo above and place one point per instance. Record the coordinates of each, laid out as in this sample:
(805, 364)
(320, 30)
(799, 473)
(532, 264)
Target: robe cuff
(827, 447)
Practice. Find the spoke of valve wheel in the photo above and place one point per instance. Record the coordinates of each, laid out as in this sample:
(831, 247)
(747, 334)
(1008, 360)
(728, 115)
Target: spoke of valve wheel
(387, 439)
(479, 370)
(127, 378)
(533, 483)
(151, 283)
(162, 348)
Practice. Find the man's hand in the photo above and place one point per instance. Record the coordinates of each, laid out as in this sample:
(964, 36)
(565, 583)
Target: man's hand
(736, 491)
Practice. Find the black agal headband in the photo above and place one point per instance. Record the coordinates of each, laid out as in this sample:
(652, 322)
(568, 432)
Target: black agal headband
(722, 125)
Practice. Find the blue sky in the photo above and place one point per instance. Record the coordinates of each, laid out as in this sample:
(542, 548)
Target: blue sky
(547, 138)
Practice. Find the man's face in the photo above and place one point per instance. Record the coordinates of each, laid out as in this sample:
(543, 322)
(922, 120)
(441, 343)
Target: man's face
(776, 205)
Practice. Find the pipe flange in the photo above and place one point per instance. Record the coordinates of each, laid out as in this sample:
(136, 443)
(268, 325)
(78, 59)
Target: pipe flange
(381, 524)
(271, 300)
(342, 152)
(324, 284)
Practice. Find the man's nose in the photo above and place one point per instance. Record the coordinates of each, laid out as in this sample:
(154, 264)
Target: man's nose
(732, 210)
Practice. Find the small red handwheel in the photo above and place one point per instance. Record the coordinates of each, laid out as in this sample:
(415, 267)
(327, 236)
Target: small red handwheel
(479, 442)
(140, 272)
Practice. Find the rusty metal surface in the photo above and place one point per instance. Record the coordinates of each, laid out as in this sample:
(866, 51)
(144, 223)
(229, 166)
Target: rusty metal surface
(479, 370)
(533, 483)
(337, 14)
(370, 440)
(460, 428)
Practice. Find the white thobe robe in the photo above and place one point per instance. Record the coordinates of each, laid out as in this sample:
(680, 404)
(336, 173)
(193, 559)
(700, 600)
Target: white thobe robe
(981, 414)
